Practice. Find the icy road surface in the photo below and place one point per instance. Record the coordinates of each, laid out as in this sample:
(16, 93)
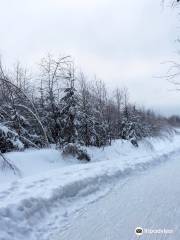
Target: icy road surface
(149, 199)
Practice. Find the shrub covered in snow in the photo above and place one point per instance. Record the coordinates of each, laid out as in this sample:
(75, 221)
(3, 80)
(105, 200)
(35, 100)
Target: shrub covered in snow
(75, 150)
(9, 140)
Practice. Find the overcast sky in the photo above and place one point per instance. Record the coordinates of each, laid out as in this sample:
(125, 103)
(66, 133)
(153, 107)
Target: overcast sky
(122, 42)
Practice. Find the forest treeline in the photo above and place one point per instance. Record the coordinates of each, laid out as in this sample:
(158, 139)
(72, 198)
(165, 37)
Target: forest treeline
(58, 105)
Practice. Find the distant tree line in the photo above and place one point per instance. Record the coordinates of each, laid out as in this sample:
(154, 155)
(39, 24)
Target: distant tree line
(60, 106)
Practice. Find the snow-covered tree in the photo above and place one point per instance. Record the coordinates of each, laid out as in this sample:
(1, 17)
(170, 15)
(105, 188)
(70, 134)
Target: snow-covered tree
(85, 115)
(65, 108)
(68, 105)
(9, 140)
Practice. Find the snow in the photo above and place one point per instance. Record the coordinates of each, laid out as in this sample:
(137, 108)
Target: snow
(32, 162)
(34, 205)
(149, 200)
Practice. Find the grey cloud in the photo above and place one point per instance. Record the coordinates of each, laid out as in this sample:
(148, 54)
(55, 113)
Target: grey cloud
(123, 42)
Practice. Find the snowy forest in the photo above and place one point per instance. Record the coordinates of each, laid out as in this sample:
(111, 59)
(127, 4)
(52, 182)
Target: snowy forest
(60, 106)
(90, 141)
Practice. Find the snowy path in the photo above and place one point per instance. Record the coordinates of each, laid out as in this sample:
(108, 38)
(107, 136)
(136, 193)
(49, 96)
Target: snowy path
(150, 199)
(121, 188)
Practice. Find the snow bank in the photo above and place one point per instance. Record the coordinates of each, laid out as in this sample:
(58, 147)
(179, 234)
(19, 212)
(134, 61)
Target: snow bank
(32, 162)
(28, 205)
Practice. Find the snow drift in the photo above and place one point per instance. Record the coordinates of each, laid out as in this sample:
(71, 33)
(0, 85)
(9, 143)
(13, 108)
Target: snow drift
(31, 206)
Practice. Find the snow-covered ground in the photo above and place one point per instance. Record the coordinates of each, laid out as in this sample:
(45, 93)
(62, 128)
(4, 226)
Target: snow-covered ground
(149, 199)
(35, 205)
